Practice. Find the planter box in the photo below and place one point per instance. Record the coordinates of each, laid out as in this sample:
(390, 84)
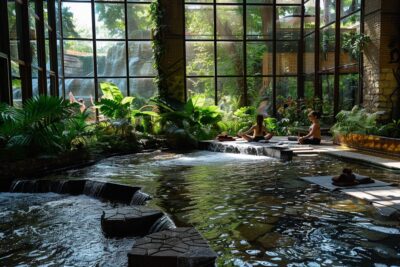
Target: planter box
(373, 143)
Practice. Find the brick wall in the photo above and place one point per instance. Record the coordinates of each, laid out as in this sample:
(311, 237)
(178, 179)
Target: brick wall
(382, 25)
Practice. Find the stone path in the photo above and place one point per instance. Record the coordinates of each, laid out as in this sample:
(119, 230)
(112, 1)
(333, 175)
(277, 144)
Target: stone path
(171, 248)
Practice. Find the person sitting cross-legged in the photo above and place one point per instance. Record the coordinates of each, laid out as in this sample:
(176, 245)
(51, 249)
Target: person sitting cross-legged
(257, 132)
(314, 135)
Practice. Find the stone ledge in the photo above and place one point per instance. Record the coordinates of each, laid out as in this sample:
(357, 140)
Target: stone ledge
(129, 221)
(172, 248)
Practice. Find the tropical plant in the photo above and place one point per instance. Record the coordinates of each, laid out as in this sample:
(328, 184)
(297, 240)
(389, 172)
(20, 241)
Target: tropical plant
(195, 119)
(358, 120)
(116, 107)
(391, 129)
(44, 125)
(354, 43)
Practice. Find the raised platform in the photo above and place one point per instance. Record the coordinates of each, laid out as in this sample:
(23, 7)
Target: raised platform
(383, 196)
(279, 147)
(273, 150)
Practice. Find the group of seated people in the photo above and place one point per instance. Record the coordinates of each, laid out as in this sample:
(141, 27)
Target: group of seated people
(259, 132)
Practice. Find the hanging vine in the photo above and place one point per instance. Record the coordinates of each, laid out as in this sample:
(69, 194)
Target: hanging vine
(158, 45)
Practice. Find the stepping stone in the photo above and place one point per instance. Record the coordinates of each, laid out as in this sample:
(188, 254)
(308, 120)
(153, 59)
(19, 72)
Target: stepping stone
(171, 248)
(129, 221)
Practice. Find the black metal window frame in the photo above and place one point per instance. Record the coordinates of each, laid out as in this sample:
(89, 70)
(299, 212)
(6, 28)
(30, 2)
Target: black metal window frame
(337, 66)
(244, 40)
(94, 41)
(24, 11)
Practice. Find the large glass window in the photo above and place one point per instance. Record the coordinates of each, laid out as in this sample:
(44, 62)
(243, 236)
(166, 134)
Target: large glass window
(237, 54)
(107, 41)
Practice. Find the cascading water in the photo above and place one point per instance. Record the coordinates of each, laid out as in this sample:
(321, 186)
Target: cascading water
(139, 198)
(93, 188)
(163, 223)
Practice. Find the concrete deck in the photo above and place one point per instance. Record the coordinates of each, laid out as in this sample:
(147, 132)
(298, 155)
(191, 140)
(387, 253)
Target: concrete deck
(278, 144)
(383, 196)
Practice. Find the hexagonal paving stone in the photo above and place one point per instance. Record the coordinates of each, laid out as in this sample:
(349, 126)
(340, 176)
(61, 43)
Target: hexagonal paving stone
(176, 247)
(129, 221)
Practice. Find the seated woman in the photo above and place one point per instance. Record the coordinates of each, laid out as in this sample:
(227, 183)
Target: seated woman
(257, 132)
(314, 135)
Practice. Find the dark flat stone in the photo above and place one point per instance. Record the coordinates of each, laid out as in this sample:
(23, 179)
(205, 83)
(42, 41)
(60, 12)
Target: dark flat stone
(129, 221)
(176, 247)
(110, 191)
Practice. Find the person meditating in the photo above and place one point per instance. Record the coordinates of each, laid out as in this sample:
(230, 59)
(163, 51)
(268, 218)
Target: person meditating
(314, 135)
(257, 132)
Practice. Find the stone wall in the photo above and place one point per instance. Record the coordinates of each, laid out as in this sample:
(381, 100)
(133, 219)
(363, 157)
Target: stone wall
(381, 23)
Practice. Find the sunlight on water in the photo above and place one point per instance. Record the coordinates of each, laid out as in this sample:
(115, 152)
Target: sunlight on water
(254, 211)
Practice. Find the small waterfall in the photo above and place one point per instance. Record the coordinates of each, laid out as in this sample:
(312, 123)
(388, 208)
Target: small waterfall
(93, 188)
(139, 198)
(163, 223)
(16, 186)
(59, 187)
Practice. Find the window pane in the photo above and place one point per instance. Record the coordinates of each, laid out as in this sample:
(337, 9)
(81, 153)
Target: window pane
(229, 22)
(349, 6)
(142, 88)
(349, 31)
(309, 88)
(230, 58)
(229, 1)
(78, 58)
(259, 58)
(258, 90)
(348, 91)
(328, 11)
(199, 22)
(110, 21)
(81, 89)
(288, 23)
(260, 1)
(204, 86)
(199, 58)
(121, 83)
(230, 93)
(77, 20)
(286, 91)
(259, 22)
(309, 16)
(327, 49)
(141, 61)
(286, 58)
(309, 54)
(111, 58)
(139, 21)
(327, 82)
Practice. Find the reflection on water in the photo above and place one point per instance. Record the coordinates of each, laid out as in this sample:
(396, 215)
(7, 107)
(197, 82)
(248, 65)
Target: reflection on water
(55, 230)
(255, 212)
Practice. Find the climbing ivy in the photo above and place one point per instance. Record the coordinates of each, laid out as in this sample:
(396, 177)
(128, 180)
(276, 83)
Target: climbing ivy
(158, 29)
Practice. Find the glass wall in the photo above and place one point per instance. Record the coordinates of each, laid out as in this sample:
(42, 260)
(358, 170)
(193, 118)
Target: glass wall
(242, 52)
(107, 41)
(332, 70)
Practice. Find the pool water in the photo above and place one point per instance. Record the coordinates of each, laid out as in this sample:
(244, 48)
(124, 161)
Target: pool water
(254, 211)
(56, 230)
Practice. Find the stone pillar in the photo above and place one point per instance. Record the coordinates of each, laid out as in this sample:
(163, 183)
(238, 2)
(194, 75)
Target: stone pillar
(381, 24)
(173, 61)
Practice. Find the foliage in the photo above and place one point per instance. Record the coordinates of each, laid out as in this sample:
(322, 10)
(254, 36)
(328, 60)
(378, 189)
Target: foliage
(158, 27)
(358, 120)
(121, 110)
(239, 121)
(194, 119)
(354, 43)
(44, 125)
(391, 129)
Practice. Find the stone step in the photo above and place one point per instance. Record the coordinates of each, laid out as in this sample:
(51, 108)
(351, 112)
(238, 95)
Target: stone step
(129, 221)
(172, 248)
